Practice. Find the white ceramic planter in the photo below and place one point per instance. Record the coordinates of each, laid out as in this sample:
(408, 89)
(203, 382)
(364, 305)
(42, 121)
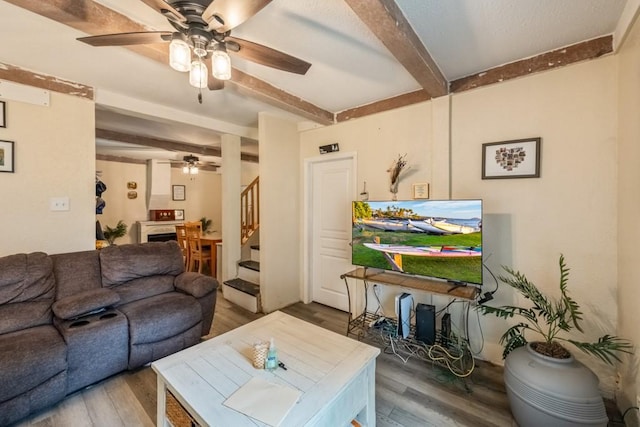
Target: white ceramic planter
(544, 391)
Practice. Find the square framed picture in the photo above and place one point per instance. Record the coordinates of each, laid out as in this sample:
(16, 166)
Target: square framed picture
(518, 158)
(179, 214)
(421, 191)
(7, 156)
(3, 114)
(178, 192)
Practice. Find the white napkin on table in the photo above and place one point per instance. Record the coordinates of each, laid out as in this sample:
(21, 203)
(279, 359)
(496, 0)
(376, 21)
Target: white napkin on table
(264, 401)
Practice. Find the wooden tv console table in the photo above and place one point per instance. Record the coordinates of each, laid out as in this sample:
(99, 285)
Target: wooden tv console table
(453, 353)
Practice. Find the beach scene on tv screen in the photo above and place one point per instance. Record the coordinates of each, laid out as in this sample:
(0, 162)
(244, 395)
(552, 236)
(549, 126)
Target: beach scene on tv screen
(433, 238)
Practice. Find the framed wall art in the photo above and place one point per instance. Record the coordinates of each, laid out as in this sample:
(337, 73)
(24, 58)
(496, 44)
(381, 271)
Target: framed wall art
(179, 192)
(518, 158)
(179, 214)
(3, 114)
(7, 156)
(421, 191)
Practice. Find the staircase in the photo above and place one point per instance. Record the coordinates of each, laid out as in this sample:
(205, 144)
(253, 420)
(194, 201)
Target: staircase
(249, 210)
(244, 290)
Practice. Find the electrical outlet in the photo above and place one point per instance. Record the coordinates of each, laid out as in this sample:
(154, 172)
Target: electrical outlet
(59, 204)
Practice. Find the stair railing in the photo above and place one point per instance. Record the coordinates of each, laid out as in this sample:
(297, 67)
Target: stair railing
(250, 210)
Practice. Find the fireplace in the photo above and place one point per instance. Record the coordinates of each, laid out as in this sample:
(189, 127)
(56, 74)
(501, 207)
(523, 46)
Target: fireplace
(161, 237)
(157, 231)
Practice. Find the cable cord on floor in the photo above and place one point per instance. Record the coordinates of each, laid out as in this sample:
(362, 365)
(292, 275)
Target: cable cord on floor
(448, 359)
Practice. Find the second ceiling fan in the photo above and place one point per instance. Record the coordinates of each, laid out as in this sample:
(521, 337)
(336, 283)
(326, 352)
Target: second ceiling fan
(204, 28)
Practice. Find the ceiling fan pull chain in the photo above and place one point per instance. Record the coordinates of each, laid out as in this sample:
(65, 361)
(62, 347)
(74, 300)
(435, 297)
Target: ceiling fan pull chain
(200, 95)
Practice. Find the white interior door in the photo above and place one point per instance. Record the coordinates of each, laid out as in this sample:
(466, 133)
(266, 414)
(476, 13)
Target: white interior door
(332, 191)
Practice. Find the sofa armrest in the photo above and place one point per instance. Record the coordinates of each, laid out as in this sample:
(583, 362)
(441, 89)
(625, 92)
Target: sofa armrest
(195, 284)
(84, 303)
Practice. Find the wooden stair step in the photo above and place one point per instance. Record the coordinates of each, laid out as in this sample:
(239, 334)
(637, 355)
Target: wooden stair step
(244, 286)
(251, 265)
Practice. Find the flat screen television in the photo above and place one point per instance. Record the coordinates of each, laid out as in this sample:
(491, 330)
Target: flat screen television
(433, 238)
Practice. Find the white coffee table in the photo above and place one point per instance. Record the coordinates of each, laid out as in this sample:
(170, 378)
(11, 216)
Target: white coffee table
(335, 374)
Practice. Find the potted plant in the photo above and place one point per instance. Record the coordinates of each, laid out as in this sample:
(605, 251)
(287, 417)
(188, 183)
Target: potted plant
(545, 384)
(206, 225)
(111, 234)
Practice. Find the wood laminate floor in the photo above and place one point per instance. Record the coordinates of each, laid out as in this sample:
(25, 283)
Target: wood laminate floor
(407, 394)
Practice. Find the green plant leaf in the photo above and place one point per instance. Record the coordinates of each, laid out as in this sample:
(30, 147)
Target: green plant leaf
(527, 289)
(513, 338)
(570, 304)
(606, 348)
(507, 311)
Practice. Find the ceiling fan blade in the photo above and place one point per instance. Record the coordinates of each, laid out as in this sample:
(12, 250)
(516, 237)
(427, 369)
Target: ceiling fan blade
(166, 9)
(126, 39)
(267, 56)
(223, 15)
(215, 84)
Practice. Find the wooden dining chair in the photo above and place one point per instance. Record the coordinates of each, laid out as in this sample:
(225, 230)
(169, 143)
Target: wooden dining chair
(197, 254)
(181, 232)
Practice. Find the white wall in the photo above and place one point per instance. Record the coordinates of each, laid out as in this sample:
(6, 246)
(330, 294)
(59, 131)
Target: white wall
(571, 209)
(629, 212)
(54, 157)
(379, 139)
(279, 212)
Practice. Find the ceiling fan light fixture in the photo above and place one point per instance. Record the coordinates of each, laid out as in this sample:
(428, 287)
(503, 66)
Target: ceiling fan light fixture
(193, 170)
(220, 63)
(198, 74)
(179, 53)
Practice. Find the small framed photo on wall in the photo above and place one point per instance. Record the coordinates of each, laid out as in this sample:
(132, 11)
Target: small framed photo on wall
(519, 158)
(7, 156)
(3, 114)
(421, 190)
(179, 192)
(179, 215)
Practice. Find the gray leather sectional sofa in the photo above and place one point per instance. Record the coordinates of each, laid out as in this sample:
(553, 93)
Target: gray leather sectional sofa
(70, 320)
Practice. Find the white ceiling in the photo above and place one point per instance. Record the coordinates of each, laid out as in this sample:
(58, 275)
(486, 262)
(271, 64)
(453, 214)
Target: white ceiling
(351, 67)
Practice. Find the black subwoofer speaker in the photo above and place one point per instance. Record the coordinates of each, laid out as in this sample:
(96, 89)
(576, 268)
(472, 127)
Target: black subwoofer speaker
(426, 323)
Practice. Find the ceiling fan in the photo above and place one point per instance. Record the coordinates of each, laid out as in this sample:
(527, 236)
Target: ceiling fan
(192, 164)
(204, 28)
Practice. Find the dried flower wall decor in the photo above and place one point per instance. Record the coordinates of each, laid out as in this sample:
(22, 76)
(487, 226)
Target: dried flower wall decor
(394, 174)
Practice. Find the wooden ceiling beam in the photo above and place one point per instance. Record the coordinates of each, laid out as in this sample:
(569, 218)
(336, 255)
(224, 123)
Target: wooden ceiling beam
(383, 105)
(589, 49)
(94, 19)
(43, 81)
(168, 145)
(122, 159)
(385, 19)
(263, 91)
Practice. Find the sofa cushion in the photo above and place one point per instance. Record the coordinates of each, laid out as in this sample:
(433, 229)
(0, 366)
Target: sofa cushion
(76, 272)
(144, 287)
(29, 358)
(27, 289)
(161, 317)
(121, 264)
(195, 284)
(85, 302)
